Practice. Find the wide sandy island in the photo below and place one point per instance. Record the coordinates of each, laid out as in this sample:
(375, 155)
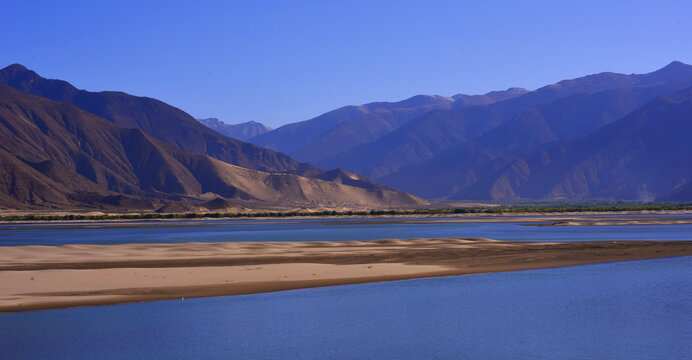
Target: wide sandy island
(44, 277)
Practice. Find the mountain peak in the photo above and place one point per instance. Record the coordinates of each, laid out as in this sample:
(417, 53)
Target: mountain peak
(241, 131)
(16, 70)
(516, 90)
(674, 70)
(676, 64)
(256, 123)
(675, 67)
(15, 67)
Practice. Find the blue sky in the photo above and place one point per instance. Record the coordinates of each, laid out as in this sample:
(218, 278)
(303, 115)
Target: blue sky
(284, 61)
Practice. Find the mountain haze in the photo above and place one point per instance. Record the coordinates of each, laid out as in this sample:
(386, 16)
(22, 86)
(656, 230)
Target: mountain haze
(437, 131)
(531, 130)
(644, 156)
(343, 129)
(290, 138)
(242, 131)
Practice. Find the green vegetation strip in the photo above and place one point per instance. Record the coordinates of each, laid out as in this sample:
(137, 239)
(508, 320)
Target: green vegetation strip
(470, 210)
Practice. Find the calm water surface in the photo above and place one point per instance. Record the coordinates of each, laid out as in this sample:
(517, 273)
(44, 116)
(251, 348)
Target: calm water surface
(322, 230)
(625, 310)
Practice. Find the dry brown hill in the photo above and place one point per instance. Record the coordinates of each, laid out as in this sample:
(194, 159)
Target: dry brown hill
(156, 118)
(55, 155)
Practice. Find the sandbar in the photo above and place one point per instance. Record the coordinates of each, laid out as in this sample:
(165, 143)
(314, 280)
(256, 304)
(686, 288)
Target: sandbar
(48, 277)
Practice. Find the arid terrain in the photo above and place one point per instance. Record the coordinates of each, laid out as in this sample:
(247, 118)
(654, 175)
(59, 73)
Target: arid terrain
(43, 277)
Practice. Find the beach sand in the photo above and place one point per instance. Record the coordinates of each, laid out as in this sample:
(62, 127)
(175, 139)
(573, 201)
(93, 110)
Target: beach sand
(45, 277)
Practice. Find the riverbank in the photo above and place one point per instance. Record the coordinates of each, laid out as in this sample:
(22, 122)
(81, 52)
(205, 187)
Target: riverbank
(646, 217)
(547, 219)
(45, 277)
(491, 211)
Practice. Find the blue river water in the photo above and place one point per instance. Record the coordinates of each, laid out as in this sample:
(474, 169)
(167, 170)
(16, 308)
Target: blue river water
(624, 310)
(321, 230)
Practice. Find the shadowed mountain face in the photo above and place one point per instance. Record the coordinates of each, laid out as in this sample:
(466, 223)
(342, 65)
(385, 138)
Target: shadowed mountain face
(298, 136)
(160, 120)
(242, 131)
(441, 147)
(345, 128)
(531, 130)
(55, 155)
(437, 131)
(644, 156)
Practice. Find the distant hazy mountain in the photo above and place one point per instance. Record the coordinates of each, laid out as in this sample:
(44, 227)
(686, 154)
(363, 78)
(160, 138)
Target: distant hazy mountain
(156, 118)
(242, 131)
(55, 155)
(531, 130)
(646, 155)
(437, 131)
(343, 129)
(290, 138)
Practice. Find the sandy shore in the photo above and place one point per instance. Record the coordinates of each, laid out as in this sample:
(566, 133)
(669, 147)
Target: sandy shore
(44, 277)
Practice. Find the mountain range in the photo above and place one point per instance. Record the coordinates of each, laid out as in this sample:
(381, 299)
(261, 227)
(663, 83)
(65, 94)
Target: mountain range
(603, 136)
(63, 148)
(156, 118)
(459, 147)
(242, 131)
(348, 127)
(644, 156)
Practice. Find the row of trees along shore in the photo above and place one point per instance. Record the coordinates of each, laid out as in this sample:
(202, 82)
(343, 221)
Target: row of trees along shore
(513, 209)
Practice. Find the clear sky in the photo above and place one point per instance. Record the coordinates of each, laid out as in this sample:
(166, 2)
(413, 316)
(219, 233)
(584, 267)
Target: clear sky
(284, 61)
